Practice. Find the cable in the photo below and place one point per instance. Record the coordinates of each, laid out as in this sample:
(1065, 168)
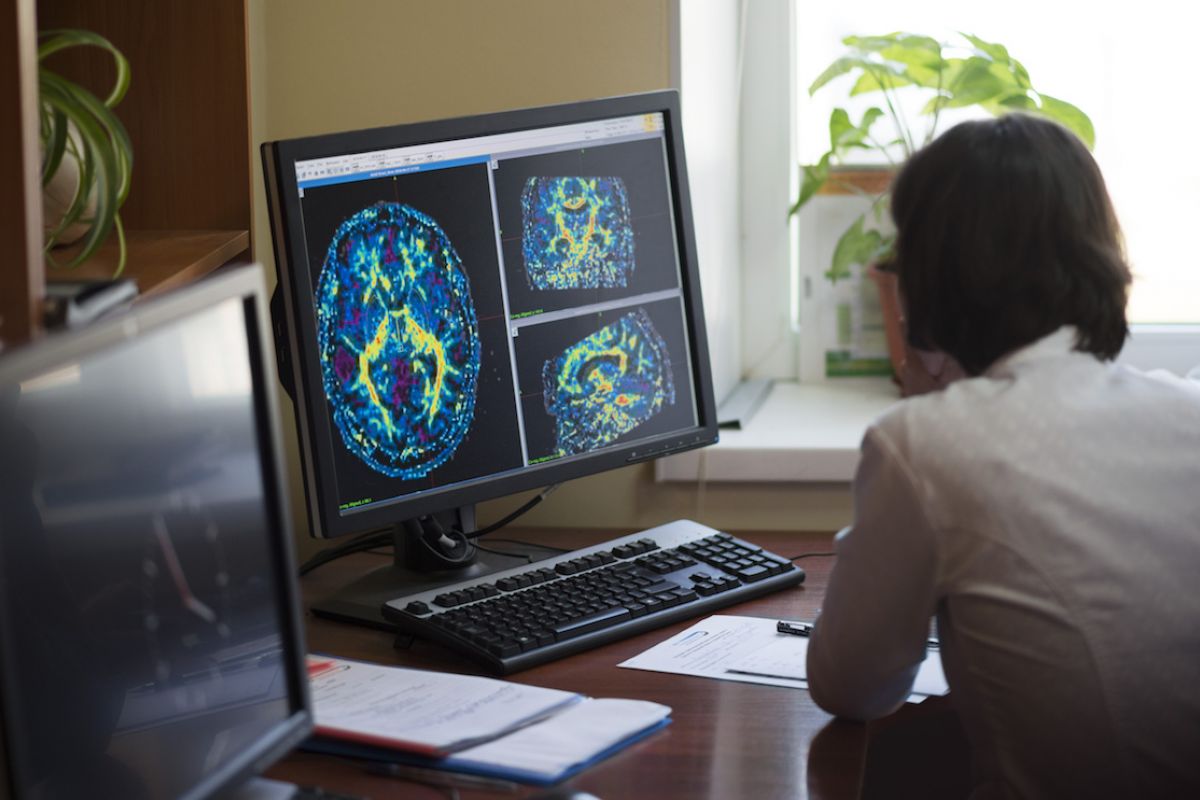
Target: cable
(373, 539)
(812, 555)
(526, 556)
(365, 541)
(495, 526)
(520, 543)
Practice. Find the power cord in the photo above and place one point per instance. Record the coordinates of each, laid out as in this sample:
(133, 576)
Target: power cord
(529, 504)
(366, 541)
(526, 556)
(373, 539)
(520, 543)
(812, 555)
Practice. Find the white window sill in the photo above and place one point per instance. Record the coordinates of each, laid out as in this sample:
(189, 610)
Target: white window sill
(811, 432)
(802, 432)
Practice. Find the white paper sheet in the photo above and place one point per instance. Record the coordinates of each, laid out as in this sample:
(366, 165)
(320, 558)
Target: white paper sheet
(710, 647)
(435, 710)
(749, 649)
(574, 736)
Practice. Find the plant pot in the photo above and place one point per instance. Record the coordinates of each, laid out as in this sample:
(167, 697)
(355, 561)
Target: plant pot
(59, 193)
(915, 371)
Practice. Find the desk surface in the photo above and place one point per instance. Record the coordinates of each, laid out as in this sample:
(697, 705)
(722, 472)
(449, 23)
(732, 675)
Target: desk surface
(726, 740)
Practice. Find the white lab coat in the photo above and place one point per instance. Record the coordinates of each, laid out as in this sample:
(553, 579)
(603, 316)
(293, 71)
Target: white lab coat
(1048, 513)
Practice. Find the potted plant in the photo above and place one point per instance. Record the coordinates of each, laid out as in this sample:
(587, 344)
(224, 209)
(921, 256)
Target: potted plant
(86, 154)
(940, 77)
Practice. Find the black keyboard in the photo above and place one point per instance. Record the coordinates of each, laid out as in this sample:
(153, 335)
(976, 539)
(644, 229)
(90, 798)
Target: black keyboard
(518, 618)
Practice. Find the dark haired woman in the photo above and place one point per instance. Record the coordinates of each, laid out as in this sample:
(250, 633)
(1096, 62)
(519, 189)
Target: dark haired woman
(1046, 508)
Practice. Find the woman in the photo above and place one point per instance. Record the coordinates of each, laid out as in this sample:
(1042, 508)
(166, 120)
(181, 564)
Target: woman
(1046, 509)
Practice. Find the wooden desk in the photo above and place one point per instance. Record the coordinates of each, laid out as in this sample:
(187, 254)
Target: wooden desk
(727, 739)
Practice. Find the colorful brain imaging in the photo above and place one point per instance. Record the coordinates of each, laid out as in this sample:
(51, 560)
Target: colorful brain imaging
(576, 233)
(607, 384)
(399, 340)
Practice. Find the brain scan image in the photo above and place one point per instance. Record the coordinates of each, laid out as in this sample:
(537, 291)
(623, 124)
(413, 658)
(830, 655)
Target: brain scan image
(398, 339)
(607, 384)
(576, 233)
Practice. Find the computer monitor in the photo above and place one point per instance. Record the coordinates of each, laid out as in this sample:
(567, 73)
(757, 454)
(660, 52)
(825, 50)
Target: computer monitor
(477, 306)
(150, 639)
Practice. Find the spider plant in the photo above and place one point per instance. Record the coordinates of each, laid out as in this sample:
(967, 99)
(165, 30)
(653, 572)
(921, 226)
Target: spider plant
(77, 125)
(975, 73)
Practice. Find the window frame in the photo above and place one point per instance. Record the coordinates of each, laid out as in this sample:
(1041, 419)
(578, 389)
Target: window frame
(777, 316)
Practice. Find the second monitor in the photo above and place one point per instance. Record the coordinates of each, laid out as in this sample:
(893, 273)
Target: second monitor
(480, 306)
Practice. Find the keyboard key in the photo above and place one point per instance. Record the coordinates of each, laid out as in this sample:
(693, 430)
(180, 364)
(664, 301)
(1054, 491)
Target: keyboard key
(754, 573)
(592, 622)
(504, 648)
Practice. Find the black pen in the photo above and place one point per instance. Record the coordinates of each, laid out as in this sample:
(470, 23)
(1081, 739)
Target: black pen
(794, 628)
(806, 629)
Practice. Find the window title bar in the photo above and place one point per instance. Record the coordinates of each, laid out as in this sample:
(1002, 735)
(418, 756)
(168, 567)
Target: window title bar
(397, 160)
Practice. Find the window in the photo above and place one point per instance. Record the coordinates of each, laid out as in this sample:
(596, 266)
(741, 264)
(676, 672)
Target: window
(1121, 68)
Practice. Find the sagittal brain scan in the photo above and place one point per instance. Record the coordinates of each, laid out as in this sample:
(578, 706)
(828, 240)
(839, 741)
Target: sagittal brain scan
(607, 384)
(576, 233)
(399, 340)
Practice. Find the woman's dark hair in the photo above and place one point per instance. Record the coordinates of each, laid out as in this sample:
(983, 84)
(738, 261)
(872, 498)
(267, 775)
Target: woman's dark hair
(1005, 232)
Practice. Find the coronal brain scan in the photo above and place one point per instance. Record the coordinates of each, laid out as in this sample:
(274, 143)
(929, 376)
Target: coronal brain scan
(398, 339)
(607, 384)
(576, 233)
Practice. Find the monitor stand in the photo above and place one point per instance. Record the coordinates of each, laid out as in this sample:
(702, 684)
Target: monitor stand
(424, 557)
(263, 789)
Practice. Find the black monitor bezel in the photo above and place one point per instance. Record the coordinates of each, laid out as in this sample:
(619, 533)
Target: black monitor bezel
(299, 334)
(247, 284)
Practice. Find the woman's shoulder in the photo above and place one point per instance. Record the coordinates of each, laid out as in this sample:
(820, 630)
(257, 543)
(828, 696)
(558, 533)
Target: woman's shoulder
(953, 411)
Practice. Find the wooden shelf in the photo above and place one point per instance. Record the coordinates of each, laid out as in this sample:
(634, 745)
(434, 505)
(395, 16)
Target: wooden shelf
(187, 114)
(158, 260)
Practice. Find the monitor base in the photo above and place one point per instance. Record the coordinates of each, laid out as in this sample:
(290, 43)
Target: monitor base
(361, 602)
(260, 788)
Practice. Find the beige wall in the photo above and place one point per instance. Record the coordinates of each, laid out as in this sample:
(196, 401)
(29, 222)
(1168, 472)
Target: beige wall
(318, 66)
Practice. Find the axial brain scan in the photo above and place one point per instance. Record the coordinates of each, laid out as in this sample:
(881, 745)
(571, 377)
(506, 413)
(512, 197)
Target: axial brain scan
(399, 340)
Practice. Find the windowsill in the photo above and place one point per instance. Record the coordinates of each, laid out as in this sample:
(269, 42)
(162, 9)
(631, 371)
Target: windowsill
(802, 432)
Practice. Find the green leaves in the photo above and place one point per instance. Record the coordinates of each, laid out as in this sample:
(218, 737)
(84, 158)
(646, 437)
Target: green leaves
(75, 123)
(974, 82)
(973, 73)
(1071, 117)
(844, 135)
(812, 178)
(857, 245)
(837, 69)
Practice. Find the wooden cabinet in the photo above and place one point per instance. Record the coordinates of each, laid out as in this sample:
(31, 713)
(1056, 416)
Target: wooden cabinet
(187, 112)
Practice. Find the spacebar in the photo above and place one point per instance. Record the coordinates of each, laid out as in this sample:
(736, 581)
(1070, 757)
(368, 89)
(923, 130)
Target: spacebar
(591, 623)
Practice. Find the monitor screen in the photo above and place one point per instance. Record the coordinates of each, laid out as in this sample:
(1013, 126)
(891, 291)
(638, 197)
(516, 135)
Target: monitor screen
(488, 304)
(148, 626)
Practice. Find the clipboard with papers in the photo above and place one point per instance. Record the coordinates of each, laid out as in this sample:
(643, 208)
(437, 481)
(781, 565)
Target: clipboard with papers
(468, 724)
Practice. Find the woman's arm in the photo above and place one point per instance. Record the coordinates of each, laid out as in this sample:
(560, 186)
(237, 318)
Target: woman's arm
(870, 636)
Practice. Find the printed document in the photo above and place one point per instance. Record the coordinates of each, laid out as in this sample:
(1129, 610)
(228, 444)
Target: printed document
(464, 723)
(569, 739)
(421, 711)
(749, 649)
